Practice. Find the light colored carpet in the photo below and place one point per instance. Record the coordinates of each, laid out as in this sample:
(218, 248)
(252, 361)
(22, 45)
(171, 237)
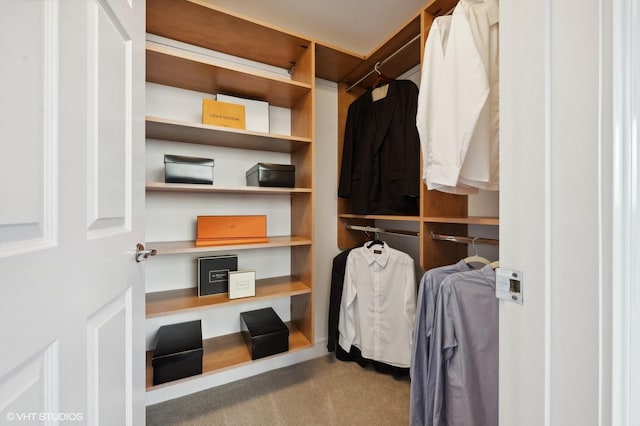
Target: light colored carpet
(322, 391)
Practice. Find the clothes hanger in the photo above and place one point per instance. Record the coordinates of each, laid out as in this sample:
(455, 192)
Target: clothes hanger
(475, 258)
(375, 241)
(495, 264)
(380, 79)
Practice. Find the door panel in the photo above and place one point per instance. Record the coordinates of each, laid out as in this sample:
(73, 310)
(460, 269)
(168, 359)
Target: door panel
(109, 109)
(31, 388)
(108, 336)
(27, 126)
(72, 185)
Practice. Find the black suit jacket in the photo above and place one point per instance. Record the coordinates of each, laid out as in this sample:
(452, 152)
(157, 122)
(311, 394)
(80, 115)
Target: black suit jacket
(380, 169)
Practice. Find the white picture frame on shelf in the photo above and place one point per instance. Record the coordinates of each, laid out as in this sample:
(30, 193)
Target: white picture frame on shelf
(242, 284)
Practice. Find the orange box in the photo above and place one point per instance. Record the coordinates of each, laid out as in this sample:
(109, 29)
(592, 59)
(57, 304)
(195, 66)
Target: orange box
(219, 230)
(223, 114)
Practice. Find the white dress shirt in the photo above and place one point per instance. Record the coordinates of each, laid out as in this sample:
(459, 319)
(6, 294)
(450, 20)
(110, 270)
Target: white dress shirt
(377, 312)
(457, 115)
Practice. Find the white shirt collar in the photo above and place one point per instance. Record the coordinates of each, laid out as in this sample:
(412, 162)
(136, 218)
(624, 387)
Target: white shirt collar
(372, 255)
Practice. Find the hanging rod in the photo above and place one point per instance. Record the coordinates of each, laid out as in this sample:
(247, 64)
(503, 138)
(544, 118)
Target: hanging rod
(464, 240)
(379, 64)
(382, 230)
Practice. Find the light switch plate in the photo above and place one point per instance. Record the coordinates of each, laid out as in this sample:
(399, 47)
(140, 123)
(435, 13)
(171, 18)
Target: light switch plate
(509, 285)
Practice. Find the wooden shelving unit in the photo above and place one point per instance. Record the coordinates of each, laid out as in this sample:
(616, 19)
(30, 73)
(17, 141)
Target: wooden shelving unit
(439, 212)
(198, 23)
(196, 26)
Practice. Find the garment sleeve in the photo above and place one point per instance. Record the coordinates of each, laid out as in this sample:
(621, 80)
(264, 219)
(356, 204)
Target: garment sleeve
(412, 148)
(419, 357)
(346, 168)
(335, 297)
(346, 325)
(422, 108)
(467, 89)
(410, 297)
(437, 365)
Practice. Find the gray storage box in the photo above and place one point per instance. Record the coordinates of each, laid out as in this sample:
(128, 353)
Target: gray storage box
(182, 169)
(269, 174)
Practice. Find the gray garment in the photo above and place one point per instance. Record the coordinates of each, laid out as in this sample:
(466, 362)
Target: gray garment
(427, 296)
(464, 349)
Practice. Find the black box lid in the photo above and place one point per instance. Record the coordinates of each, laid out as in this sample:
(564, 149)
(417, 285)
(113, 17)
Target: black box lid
(263, 321)
(176, 338)
(272, 167)
(188, 160)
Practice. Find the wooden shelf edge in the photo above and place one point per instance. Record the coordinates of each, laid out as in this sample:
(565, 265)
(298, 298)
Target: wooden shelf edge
(179, 247)
(232, 344)
(204, 134)
(470, 220)
(185, 187)
(380, 217)
(172, 302)
(224, 130)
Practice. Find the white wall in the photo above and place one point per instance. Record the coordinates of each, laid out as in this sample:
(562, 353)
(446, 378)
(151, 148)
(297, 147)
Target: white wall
(326, 200)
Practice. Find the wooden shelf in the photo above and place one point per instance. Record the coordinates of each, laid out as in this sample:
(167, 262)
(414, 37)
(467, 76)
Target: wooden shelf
(225, 352)
(180, 68)
(182, 247)
(184, 300)
(380, 217)
(198, 23)
(471, 220)
(214, 189)
(334, 63)
(204, 134)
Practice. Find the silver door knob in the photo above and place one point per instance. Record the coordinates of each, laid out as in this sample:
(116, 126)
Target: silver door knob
(142, 254)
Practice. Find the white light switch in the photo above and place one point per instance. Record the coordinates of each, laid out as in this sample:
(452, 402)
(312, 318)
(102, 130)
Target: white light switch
(509, 285)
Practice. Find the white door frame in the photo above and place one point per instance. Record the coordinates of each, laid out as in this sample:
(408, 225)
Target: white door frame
(625, 397)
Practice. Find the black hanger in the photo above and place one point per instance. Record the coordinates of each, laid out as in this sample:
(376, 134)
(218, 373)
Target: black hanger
(375, 241)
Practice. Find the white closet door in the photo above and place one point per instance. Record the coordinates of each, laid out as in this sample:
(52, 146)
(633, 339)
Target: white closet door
(71, 185)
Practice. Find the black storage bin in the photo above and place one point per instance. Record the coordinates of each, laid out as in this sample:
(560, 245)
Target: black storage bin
(269, 174)
(178, 352)
(182, 169)
(264, 332)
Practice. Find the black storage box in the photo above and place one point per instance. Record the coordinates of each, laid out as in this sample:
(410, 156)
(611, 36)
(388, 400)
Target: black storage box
(181, 169)
(269, 174)
(213, 273)
(178, 352)
(264, 332)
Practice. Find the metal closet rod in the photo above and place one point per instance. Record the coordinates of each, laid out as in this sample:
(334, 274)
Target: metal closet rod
(382, 230)
(379, 64)
(465, 240)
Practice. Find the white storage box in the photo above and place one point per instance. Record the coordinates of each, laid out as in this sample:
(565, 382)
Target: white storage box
(256, 112)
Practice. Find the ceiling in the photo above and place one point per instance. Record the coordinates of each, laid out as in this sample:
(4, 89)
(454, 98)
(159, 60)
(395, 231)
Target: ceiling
(355, 25)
